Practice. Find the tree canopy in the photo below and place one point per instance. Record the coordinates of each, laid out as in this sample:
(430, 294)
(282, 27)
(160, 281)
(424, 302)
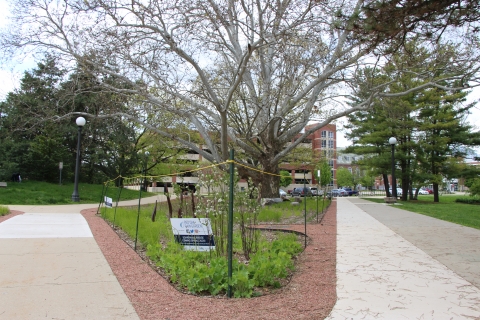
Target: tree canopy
(111, 146)
(428, 124)
(248, 75)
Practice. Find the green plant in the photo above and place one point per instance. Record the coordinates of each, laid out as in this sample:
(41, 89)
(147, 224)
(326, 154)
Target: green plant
(475, 187)
(468, 200)
(201, 272)
(4, 210)
(206, 272)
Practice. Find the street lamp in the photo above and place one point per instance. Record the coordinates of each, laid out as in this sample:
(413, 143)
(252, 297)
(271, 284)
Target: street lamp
(80, 123)
(393, 142)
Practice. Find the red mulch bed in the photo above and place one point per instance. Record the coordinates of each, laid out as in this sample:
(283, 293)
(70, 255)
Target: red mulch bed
(12, 214)
(310, 294)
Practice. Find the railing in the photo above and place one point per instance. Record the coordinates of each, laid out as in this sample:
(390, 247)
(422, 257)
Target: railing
(372, 193)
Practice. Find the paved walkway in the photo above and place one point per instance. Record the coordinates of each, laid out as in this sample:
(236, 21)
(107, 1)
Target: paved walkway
(385, 268)
(391, 264)
(52, 268)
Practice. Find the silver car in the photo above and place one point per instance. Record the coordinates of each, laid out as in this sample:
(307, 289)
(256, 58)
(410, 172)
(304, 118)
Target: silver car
(316, 192)
(337, 193)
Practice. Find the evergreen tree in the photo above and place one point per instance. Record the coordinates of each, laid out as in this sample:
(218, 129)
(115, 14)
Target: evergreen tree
(427, 124)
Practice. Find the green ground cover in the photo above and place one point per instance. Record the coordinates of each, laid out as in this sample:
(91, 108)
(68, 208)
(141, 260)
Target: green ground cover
(447, 209)
(43, 193)
(205, 273)
(4, 210)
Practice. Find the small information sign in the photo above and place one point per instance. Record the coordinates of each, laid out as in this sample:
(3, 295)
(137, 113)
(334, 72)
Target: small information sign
(193, 233)
(108, 202)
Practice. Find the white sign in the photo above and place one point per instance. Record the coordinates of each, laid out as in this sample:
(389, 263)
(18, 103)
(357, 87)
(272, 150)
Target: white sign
(108, 202)
(193, 233)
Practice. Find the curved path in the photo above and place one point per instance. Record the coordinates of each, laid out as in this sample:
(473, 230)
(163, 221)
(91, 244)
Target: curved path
(52, 268)
(390, 264)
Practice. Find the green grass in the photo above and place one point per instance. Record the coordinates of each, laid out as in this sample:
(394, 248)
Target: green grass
(43, 193)
(150, 233)
(286, 211)
(201, 272)
(447, 209)
(4, 210)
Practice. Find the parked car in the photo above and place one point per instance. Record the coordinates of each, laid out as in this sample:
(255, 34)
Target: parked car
(337, 193)
(430, 191)
(351, 192)
(282, 193)
(316, 192)
(399, 192)
(423, 191)
(302, 192)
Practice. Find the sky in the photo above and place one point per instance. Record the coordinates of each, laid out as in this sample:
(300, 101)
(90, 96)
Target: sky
(12, 72)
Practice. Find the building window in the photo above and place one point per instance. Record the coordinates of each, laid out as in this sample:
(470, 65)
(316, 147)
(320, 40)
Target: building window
(324, 143)
(324, 134)
(350, 169)
(330, 163)
(330, 144)
(330, 134)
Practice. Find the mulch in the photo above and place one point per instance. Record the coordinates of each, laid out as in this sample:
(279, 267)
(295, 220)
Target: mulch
(310, 294)
(12, 214)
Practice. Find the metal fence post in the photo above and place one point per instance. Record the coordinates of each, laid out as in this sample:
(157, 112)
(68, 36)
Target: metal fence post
(230, 225)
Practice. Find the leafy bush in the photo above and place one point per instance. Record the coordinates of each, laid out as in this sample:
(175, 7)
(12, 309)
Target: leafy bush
(4, 210)
(468, 200)
(201, 272)
(475, 187)
(206, 272)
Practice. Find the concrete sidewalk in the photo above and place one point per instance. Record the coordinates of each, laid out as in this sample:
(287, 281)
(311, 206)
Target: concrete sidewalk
(385, 268)
(52, 268)
(391, 264)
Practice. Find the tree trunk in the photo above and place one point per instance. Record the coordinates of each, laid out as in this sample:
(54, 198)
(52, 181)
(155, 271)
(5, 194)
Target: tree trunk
(267, 183)
(386, 184)
(436, 197)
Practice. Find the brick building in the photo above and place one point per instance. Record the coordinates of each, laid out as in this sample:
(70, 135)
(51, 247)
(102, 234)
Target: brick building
(324, 143)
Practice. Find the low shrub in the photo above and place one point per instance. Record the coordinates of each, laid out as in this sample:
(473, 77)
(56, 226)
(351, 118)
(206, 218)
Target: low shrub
(468, 200)
(4, 210)
(202, 272)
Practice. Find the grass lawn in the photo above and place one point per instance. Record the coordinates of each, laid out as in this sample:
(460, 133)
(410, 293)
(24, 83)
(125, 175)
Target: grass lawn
(447, 209)
(149, 232)
(285, 212)
(43, 193)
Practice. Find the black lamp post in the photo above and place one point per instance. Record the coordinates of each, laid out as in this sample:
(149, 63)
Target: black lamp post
(393, 142)
(80, 123)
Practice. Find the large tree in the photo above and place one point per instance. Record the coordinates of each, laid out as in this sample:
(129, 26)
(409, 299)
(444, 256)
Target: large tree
(110, 147)
(428, 124)
(249, 75)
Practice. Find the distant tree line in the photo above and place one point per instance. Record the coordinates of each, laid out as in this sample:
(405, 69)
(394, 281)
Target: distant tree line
(33, 139)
